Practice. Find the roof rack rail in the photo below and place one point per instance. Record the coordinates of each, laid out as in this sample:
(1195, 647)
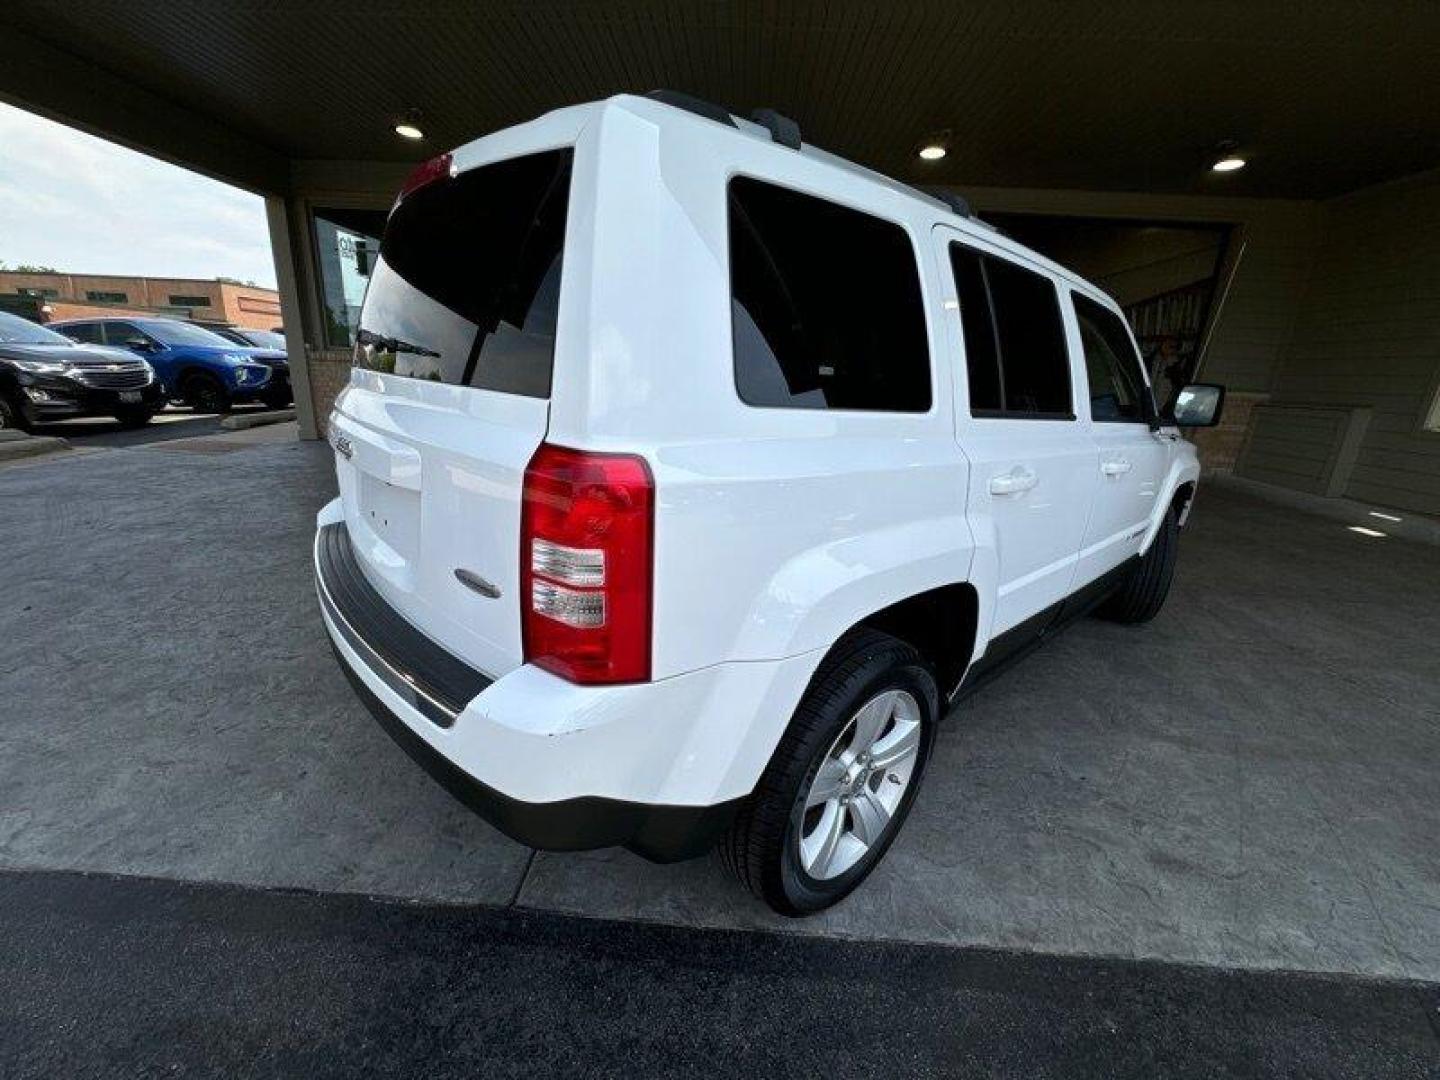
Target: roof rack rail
(691, 104)
(955, 202)
(782, 129)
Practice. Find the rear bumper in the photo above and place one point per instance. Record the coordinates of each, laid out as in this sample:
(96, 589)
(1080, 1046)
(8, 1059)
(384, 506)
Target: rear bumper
(659, 833)
(659, 768)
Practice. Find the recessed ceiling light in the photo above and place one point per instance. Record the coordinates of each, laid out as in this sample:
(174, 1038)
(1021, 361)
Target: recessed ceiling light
(1227, 157)
(932, 152)
(409, 128)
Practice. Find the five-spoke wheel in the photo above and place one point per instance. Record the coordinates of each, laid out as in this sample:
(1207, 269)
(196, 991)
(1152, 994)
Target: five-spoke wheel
(843, 778)
(859, 785)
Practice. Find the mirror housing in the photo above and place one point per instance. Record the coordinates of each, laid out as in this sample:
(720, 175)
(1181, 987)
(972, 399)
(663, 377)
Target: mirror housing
(1197, 405)
(139, 344)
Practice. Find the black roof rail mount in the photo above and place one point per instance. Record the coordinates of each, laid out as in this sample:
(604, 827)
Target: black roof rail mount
(782, 129)
(954, 201)
(691, 104)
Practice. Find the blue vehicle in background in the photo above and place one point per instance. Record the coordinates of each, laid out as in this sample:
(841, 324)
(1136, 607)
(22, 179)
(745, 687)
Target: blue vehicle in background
(196, 365)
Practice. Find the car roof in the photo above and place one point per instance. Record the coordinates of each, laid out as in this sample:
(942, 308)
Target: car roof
(663, 112)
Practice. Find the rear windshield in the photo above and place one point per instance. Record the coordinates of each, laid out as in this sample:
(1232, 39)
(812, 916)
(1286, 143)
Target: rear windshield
(467, 284)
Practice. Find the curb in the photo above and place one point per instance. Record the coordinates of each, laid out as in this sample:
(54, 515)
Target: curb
(12, 449)
(250, 420)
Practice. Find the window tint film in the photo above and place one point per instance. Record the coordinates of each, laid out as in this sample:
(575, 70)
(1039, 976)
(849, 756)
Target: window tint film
(826, 306)
(1112, 367)
(467, 284)
(1014, 338)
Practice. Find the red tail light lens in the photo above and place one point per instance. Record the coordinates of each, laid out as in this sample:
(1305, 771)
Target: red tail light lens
(427, 172)
(587, 523)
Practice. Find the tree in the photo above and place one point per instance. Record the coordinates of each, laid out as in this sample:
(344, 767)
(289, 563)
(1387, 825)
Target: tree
(27, 268)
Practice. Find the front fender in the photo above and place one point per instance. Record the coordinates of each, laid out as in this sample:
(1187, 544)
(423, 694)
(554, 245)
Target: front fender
(1184, 469)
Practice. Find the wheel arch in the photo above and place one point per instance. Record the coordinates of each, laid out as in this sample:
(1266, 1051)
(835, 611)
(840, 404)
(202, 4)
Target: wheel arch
(940, 623)
(1182, 499)
(191, 368)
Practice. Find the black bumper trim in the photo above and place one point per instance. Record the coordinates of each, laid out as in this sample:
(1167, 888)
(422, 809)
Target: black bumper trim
(426, 675)
(658, 833)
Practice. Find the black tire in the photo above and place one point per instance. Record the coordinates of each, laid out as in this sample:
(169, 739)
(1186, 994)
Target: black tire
(277, 401)
(1143, 594)
(762, 847)
(12, 418)
(205, 393)
(135, 418)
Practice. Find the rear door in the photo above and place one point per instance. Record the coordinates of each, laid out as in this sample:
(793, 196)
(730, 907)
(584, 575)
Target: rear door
(1033, 475)
(1132, 458)
(449, 398)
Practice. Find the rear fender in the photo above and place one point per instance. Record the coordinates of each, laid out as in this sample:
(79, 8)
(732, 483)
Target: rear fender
(820, 593)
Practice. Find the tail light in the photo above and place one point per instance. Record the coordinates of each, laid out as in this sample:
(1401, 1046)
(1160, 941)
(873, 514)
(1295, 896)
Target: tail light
(587, 523)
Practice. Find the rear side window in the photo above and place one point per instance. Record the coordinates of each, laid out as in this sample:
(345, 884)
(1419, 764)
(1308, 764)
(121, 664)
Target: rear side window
(1112, 367)
(1014, 338)
(825, 305)
(466, 287)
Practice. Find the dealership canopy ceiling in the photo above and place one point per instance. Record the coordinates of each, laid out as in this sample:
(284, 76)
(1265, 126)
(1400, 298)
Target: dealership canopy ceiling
(1320, 98)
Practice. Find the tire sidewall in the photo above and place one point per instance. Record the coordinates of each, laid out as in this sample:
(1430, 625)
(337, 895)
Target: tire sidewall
(804, 893)
(203, 383)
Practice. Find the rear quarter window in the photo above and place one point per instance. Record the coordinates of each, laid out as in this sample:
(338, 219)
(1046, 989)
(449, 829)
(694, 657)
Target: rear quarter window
(826, 308)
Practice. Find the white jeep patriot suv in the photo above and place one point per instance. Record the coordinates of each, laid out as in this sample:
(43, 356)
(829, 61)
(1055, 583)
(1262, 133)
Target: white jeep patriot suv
(688, 472)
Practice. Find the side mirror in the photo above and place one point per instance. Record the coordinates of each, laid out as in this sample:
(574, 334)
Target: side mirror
(1197, 405)
(139, 344)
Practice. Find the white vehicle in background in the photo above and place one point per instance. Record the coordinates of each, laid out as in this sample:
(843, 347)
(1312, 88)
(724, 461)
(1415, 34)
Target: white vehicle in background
(687, 473)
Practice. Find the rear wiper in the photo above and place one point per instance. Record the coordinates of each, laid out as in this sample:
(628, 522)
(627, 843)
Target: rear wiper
(390, 344)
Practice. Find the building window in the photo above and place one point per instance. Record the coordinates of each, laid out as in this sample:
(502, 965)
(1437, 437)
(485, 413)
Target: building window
(99, 296)
(347, 243)
(826, 310)
(189, 301)
(36, 291)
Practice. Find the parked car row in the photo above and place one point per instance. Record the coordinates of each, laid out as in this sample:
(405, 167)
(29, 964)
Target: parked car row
(129, 368)
(45, 375)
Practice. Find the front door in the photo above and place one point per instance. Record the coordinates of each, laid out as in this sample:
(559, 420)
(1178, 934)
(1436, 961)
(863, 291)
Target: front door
(1131, 457)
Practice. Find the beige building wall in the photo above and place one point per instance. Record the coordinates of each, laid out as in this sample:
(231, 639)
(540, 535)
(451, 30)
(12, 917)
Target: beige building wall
(1367, 336)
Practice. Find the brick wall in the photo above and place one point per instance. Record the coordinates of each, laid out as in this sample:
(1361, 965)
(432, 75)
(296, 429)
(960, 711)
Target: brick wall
(329, 372)
(1220, 446)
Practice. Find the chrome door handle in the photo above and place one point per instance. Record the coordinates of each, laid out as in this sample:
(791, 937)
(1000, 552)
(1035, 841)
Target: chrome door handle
(1014, 482)
(1115, 468)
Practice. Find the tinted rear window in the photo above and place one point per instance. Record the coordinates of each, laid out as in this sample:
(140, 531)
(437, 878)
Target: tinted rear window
(1014, 338)
(467, 283)
(826, 307)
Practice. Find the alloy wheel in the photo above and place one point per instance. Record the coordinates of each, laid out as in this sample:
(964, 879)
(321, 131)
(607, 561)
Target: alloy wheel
(851, 803)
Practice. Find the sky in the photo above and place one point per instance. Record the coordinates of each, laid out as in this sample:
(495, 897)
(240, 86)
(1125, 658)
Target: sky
(80, 204)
